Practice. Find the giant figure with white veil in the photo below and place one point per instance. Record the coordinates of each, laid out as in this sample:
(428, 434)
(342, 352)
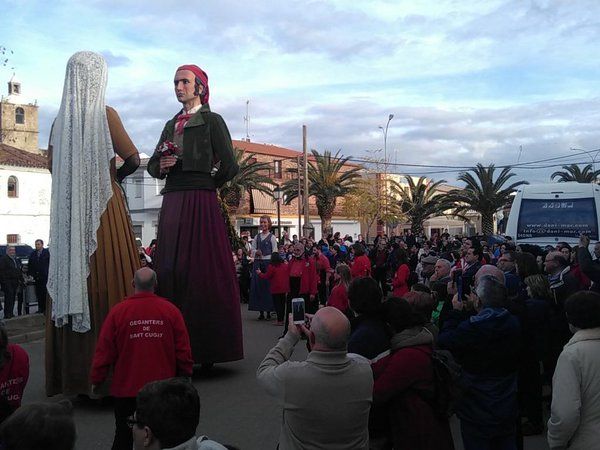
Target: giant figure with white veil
(94, 254)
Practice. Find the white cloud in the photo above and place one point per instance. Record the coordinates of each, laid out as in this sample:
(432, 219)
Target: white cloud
(467, 81)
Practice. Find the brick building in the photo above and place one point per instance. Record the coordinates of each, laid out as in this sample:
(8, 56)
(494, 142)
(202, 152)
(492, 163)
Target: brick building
(255, 204)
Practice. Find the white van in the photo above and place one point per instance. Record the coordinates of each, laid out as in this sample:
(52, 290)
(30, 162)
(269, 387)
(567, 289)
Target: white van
(545, 214)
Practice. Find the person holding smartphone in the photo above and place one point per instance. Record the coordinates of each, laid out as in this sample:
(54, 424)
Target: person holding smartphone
(328, 380)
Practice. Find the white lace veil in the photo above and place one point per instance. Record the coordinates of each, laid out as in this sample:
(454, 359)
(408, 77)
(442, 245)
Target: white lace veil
(81, 187)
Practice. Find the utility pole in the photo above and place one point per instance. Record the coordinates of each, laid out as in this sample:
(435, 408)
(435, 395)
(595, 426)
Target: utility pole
(299, 198)
(307, 226)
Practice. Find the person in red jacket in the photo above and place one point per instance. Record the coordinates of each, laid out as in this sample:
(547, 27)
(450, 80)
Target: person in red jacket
(303, 281)
(404, 384)
(339, 294)
(14, 373)
(400, 280)
(361, 267)
(279, 276)
(144, 338)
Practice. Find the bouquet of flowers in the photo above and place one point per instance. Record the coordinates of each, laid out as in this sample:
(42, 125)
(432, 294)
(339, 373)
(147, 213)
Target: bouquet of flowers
(168, 148)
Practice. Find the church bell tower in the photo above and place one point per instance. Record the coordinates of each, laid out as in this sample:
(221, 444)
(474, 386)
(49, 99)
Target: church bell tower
(19, 125)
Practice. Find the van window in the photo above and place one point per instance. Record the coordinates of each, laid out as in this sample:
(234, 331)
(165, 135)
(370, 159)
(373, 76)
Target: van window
(557, 218)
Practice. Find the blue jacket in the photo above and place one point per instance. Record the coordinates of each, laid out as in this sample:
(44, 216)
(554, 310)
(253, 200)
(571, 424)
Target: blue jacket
(487, 346)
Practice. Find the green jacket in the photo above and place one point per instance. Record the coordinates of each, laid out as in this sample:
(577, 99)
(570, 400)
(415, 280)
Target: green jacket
(206, 140)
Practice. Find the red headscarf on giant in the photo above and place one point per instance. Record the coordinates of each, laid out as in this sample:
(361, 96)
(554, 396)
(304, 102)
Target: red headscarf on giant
(201, 75)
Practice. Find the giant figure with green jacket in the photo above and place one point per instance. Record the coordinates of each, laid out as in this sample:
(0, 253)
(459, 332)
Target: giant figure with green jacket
(193, 254)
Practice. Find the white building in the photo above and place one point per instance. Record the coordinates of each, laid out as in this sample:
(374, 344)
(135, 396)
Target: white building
(25, 187)
(144, 201)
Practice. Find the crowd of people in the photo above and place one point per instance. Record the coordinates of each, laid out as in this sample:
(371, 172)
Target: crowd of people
(518, 322)
(521, 322)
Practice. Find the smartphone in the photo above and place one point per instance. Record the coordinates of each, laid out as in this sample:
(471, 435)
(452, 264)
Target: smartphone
(298, 310)
(458, 282)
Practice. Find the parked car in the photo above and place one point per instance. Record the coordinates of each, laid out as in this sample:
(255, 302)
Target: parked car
(22, 250)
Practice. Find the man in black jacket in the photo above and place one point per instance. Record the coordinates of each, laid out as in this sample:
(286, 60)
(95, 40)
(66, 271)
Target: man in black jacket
(11, 277)
(591, 268)
(37, 267)
(487, 346)
(562, 285)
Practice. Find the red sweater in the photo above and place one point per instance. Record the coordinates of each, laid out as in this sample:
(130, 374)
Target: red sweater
(14, 375)
(323, 264)
(279, 277)
(361, 267)
(400, 281)
(144, 337)
(306, 269)
(339, 297)
(412, 421)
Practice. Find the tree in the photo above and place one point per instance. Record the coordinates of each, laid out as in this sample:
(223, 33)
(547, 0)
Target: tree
(420, 201)
(250, 176)
(328, 181)
(482, 194)
(572, 172)
(364, 204)
(5, 61)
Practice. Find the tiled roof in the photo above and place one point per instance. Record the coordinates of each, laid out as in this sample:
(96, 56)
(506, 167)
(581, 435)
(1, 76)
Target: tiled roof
(12, 156)
(275, 151)
(266, 149)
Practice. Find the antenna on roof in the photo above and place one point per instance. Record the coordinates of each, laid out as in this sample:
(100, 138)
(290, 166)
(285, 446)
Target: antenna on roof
(247, 120)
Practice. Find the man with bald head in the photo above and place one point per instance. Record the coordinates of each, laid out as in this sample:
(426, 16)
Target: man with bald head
(144, 339)
(326, 398)
(488, 269)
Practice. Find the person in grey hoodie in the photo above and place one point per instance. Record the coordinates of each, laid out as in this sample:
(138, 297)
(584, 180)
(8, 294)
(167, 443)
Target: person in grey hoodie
(575, 414)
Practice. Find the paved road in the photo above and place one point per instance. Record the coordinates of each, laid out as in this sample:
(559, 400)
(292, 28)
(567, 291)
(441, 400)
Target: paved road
(234, 409)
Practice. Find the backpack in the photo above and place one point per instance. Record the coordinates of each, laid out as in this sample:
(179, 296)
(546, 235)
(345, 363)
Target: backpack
(448, 383)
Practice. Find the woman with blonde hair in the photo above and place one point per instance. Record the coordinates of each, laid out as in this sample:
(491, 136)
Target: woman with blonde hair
(339, 294)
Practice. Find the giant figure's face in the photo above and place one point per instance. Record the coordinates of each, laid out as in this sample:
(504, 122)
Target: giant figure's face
(185, 85)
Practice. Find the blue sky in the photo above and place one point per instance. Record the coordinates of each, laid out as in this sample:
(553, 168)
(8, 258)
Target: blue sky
(467, 82)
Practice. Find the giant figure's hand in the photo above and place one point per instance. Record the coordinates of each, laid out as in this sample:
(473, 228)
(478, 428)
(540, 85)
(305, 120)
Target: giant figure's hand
(166, 162)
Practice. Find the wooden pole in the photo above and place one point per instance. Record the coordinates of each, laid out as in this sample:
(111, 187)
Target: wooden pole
(299, 199)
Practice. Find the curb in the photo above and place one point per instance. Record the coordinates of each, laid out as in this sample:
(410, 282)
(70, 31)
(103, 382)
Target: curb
(27, 337)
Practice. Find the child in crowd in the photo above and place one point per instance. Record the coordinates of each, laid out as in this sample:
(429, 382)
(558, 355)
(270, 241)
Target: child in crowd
(279, 276)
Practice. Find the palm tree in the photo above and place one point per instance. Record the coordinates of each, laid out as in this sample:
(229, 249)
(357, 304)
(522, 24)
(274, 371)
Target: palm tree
(420, 201)
(328, 181)
(482, 194)
(250, 176)
(572, 172)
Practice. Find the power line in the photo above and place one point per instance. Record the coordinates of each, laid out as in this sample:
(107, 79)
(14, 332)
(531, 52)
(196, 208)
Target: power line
(512, 166)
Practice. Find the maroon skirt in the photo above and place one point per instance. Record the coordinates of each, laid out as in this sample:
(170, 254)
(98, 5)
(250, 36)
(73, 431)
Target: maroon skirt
(195, 269)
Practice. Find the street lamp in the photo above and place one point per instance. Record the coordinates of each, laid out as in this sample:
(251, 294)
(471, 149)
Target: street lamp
(385, 161)
(278, 195)
(589, 152)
